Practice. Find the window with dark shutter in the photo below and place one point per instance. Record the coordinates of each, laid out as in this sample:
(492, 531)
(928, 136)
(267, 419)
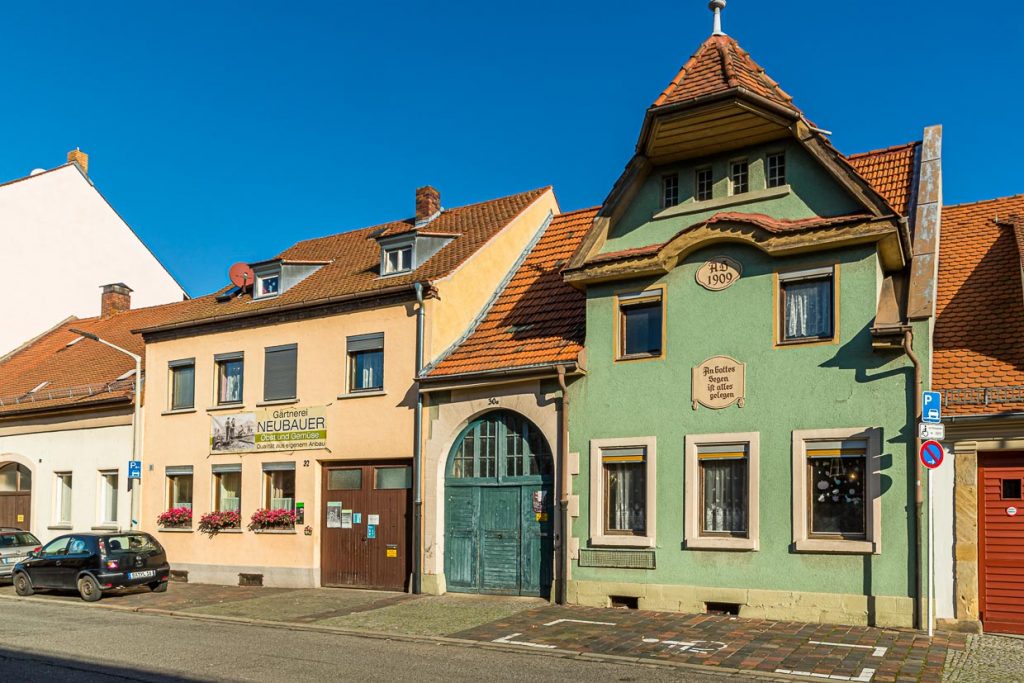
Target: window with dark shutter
(279, 370)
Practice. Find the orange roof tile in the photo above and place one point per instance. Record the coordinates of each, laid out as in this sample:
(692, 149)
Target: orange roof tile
(980, 310)
(537, 319)
(718, 65)
(82, 374)
(891, 172)
(353, 260)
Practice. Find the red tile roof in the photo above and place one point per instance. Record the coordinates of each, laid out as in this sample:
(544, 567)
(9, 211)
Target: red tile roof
(353, 260)
(891, 172)
(537, 319)
(718, 65)
(979, 322)
(82, 374)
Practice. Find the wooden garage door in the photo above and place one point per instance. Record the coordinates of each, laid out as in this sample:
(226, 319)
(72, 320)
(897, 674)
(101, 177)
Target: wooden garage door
(1001, 540)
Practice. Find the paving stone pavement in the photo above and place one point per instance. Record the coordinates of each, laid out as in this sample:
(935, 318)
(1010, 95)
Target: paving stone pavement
(828, 652)
(987, 659)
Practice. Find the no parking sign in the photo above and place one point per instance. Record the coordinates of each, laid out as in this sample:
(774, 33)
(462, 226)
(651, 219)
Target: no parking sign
(932, 454)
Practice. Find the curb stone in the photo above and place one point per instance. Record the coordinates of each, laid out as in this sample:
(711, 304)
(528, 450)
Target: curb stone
(438, 640)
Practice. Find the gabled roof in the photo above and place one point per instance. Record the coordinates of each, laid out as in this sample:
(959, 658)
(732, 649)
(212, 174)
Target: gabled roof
(979, 321)
(353, 262)
(84, 373)
(891, 172)
(537, 319)
(718, 65)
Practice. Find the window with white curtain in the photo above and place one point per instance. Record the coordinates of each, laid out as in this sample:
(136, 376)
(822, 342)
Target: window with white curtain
(179, 487)
(227, 488)
(625, 490)
(724, 488)
(279, 485)
(807, 301)
(108, 497)
(230, 370)
(64, 489)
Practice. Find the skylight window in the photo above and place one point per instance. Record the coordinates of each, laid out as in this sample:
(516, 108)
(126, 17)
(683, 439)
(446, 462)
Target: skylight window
(267, 285)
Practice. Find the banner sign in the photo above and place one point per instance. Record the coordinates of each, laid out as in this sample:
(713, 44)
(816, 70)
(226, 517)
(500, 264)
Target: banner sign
(271, 429)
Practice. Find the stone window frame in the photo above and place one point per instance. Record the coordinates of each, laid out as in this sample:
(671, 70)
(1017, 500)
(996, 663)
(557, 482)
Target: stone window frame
(597, 503)
(871, 544)
(693, 537)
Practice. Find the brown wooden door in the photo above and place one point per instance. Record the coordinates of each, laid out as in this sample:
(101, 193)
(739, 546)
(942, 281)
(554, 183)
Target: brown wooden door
(15, 508)
(1001, 541)
(352, 553)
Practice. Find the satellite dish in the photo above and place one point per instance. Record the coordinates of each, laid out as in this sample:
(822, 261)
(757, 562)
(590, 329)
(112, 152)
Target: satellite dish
(241, 275)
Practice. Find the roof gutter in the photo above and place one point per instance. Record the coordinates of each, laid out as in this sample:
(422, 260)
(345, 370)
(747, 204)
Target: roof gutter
(497, 376)
(325, 301)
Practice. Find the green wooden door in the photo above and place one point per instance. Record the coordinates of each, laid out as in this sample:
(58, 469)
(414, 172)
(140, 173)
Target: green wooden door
(498, 508)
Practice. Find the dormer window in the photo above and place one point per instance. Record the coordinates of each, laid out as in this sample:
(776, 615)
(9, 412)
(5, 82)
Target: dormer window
(397, 260)
(267, 285)
(739, 177)
(669, 190)
(777, 169)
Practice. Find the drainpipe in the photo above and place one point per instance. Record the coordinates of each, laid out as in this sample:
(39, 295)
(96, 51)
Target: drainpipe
(908, 346)
(417, 508)
(563, 503)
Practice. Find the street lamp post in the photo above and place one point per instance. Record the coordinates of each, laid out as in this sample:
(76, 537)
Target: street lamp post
(136, 450)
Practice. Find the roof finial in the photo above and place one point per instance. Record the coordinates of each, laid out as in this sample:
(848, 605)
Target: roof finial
(717, 6)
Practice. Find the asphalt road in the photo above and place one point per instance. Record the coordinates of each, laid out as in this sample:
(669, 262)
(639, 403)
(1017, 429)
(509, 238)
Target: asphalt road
(70, 643)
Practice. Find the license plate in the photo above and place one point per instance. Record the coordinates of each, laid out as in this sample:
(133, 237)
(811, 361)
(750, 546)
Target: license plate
(12, 560)
(142, 575)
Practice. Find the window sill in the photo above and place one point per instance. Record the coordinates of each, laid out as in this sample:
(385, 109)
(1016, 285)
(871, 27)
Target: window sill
(228, 531)
(226, 406)
(106, 527)
(361, 394)
(719, 202)
(622, 541)
(178, 411)
(708, 543)
(806, 342)
(291, 532)
(176, 530)
(278, 402)
(638, 357)
(60, 527)
(837, 547)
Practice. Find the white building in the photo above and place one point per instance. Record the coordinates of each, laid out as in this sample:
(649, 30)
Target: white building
(66, 410)
(62, 236)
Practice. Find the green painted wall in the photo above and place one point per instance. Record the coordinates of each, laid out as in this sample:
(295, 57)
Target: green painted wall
(812, 387)
(813, 194)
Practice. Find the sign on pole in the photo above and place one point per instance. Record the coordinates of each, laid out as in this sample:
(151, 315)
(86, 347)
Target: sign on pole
(932, 454)
(135, 469)
(930, 431)
(931, 407)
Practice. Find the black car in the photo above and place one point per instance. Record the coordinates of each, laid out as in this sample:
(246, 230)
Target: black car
(93, 563)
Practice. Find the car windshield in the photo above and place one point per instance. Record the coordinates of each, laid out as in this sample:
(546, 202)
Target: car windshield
(130, 543)
(18, 539)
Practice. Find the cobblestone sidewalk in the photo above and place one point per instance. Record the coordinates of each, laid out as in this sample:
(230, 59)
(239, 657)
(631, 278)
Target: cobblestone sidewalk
(987, 659)
(827, 652)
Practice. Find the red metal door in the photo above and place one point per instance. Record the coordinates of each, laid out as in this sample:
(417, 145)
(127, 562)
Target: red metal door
(359, 496)
(1001, 541)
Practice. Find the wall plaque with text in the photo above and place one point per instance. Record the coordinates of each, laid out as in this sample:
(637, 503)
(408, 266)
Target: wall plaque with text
(718, 383)
(719, 273)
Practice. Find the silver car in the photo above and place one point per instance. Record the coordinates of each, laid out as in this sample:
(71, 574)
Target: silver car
(15, 545)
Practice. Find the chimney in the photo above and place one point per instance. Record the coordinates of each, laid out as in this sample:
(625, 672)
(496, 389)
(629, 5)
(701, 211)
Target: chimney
(116, 298)
(82, 159)
(428, 204)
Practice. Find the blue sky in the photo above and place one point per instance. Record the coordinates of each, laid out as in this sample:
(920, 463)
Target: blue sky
(226, 131)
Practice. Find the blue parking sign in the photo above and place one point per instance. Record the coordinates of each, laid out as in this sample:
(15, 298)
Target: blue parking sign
(931, 407)
(135, 469)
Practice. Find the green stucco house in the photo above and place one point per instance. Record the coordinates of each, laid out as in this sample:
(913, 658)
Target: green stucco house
(758, 316)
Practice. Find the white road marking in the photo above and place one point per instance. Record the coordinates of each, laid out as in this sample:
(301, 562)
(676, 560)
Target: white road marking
(507, 640)
(878, 650)
(704, 647)
(579, 621)
(865, 675)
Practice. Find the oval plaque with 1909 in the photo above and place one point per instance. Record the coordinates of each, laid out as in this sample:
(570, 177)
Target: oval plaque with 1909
(718, 273)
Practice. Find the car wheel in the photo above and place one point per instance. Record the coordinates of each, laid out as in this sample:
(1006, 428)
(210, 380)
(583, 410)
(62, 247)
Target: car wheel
(158, 587)
(89, 588)
(23, 585)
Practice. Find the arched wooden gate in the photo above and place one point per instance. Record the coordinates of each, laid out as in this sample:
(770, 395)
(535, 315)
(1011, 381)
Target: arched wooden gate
(499, 512)
(15, 496)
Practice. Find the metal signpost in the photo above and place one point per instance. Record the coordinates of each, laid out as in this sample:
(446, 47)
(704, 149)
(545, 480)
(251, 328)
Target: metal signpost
(931, 454)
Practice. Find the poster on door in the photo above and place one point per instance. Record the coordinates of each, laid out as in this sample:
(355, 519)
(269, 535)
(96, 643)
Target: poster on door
(334, 515)
(274, 429)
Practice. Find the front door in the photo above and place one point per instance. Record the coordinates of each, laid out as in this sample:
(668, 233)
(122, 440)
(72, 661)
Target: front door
(366, 525)
(15, 496)
(499, 509)
(1001, 540)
